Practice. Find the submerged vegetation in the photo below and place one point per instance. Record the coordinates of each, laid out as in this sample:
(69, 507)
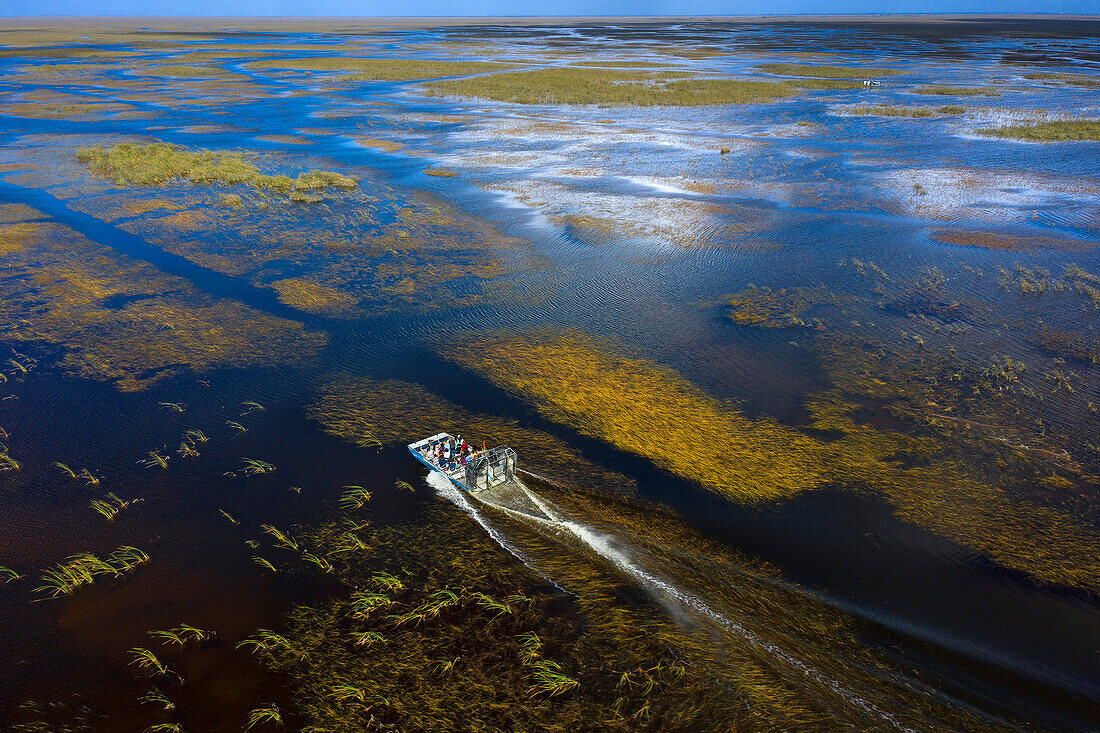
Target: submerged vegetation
(643, 408)
(373, 413)
(163, 326)
(647, 409)
(948, 395)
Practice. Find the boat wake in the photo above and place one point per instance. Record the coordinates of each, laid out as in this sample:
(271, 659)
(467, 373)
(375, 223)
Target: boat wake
(524, 505)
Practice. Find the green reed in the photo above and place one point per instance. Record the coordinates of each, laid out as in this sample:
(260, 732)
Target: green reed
(156, 697)
(317, 560)
(184, 634)
(195, 436)
(65, 468)
(354, 497)
(7, 575)
(154, 459)
(110, 506)
(229, 516)
(365, 602)
(7, 463)
(172, 406)
(388, 582)
(253, 467)
(264, 563)
(241, 429)
(148, 662)
(265, 640)
(548, 679)
(83, 568)
(251, 407)
(281, 539)
(268, 714)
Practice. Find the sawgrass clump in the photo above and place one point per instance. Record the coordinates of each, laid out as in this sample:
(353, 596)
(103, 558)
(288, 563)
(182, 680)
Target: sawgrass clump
(953, 91)
(374, 412)
(157, 164)
(311, 296)
(610, 87)
(1053, 131)
(826, 71)
(163, 326)
(891, 110)
(649, 410)
(1074, 80)
(384, 69)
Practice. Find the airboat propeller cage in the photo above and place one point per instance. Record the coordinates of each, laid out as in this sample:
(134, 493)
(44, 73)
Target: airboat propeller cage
(495, 467)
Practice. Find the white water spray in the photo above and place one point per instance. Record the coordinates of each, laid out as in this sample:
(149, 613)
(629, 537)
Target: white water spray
(674, 598)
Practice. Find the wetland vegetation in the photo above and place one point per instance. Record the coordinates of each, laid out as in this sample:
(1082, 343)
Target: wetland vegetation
(805, 407)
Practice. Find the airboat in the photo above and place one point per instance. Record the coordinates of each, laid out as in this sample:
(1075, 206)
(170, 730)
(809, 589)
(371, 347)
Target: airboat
(480, 471)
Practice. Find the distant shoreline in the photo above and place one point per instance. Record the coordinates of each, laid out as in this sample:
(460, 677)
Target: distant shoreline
(275, 22)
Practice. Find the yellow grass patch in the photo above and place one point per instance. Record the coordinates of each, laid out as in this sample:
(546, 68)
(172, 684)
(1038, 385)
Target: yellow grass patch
(388, 145)
(366, 411)
(313, 297)
(647, 409)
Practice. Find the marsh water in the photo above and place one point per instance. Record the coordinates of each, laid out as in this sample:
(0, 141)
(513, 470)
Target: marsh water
(899, 306)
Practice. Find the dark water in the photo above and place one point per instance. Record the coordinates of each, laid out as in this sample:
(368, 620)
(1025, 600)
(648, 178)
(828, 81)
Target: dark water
(780, 210)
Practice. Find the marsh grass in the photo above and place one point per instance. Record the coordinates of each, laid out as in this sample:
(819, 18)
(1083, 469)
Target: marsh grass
(282, 539)
(267, 715)
(155, 459)
(440, 172)
(384, 69)
(646, 409)
(1075, 80)
(148, 662)
(158, 698)
(371, 413)
(610, 88)
(313, 297)
(110, 506)
(157, 164)
(7, 463)
(83, 568)
(354, 497)
(891, 110)
(1054, 131)
(7, 575)
(254, 467)
(438, 652)
(827, 72)
(589, 385)
(195, 436)
(183, 71)
(948, 90)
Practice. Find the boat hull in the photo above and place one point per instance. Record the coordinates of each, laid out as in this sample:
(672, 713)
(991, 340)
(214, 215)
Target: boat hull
(452, 479)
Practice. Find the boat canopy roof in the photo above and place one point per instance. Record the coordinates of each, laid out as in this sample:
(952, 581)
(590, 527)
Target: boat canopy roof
(430, 441)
